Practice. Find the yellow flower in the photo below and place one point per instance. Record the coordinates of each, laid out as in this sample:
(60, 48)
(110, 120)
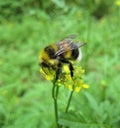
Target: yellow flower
(85, 86)
(117, 3)
(77, 89)
(66, 69)
(75, 83)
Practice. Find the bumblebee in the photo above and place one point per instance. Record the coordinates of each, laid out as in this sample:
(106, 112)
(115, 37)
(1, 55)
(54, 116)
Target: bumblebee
(63, 52)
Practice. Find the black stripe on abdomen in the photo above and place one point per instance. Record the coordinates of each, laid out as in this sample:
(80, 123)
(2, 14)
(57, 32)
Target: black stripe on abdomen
(75, 54)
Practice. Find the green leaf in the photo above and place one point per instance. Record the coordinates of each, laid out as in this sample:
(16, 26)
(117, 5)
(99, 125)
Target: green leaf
(75, 120)
(92, 101)
(73, 116)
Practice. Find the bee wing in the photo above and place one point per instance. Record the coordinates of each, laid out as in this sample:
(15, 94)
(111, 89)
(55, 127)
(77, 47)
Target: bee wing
(69, 38)
(80, 44)
(72, 47)
(73, 36)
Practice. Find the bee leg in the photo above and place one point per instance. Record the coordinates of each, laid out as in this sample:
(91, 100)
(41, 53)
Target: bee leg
(70, 66)
(44, 66)
(71, 69)
(57, 74)
(58, 71)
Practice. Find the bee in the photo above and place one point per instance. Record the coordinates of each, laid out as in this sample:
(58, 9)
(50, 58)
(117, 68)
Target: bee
(54, 56)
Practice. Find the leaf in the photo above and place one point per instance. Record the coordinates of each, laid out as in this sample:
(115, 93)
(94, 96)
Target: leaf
(74, 120)
(73, 116)
(93, 103)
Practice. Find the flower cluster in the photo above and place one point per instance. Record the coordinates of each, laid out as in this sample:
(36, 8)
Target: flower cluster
(74, 83)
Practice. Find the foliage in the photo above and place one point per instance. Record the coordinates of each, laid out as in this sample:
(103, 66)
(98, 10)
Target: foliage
(25, 97)
(12, 9)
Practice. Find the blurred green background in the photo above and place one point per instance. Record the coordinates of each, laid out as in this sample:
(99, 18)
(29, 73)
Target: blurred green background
(26, 26)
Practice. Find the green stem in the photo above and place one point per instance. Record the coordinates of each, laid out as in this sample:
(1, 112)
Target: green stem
(55, 90)
(69, 101)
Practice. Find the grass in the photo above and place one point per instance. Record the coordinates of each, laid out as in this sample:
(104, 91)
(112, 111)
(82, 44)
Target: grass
(25, 97)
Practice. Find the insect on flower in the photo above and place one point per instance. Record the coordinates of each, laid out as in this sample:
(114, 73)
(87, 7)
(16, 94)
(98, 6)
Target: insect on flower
(54, 56)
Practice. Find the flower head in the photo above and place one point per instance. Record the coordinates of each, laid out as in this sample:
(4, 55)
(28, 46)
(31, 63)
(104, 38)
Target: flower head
(73, 83)
(76, 82)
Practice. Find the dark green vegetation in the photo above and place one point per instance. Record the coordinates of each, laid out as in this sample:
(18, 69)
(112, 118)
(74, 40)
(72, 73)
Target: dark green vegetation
(25, 28)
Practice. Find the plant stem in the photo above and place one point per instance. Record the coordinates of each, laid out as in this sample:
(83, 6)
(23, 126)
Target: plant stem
(69, 101)
(55, 90)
